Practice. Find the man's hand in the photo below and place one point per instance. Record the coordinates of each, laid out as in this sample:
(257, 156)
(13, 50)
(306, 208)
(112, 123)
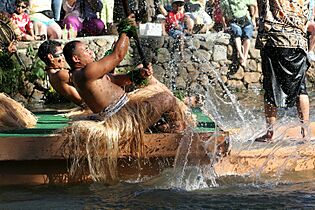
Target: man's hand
(146, 72)
(140, 75)
(128, 26)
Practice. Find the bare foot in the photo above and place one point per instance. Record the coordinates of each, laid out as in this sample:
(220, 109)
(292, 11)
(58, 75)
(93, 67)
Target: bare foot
(174, 127)
(266, 137)
(243, 62)
(194, 101)
(190, 101)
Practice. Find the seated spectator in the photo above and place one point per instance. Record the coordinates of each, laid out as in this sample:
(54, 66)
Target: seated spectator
(22, 19)
(82, 16)
(236, 15)
(196, 10)
(107, 15)
(42, 17)
(177, 23)
(214, 11)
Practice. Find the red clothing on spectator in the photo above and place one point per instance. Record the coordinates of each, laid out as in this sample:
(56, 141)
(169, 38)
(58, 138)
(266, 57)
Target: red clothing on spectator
(24, 23)
(217, 14)
(174, 20)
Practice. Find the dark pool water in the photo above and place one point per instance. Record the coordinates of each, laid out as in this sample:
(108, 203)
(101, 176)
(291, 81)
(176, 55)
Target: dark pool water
(233, 193)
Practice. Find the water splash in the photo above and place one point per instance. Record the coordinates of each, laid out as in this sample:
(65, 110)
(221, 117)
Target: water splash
(248, 159)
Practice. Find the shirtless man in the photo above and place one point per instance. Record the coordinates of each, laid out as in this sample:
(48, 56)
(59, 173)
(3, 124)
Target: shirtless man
(50, 52)
(102, 91)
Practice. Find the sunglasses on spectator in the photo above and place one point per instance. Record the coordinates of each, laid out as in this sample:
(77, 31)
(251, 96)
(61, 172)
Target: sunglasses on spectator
(21, 6)
(57, 55)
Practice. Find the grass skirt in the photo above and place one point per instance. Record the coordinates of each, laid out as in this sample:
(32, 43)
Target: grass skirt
(97, 143)
(13, 115)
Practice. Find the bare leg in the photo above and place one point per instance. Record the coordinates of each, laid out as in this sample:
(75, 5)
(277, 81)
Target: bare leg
(54, 31)
(312, 42)
(246, 45)
(238, 44)
(271, 116)
(28, 37)
(189, 23)
(40, 29)
(163, 102)
(303, 107)
(164, 33)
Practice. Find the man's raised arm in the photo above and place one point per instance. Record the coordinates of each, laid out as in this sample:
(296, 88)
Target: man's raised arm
(126, 30)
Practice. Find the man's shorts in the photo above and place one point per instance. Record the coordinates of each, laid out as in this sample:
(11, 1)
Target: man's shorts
(284, 75)
(242, 31)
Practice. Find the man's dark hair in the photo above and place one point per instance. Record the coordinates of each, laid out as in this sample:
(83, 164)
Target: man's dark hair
(47, 47)
(68, 51)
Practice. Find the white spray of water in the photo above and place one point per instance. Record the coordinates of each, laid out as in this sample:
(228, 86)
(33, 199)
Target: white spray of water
(225, 110)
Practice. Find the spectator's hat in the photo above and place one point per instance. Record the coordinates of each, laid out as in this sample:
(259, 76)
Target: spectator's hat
(182, 2)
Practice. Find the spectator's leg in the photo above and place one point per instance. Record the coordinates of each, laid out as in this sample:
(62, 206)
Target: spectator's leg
(107, 14)
(247, 34)
(56, 6)
(189, 23)
(54, 31)
(237, 33)
(246, 45)
(27, 37)
(93, 27)
(238, 44)
(40, 29)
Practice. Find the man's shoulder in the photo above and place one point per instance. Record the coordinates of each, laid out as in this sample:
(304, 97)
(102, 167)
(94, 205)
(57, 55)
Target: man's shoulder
(62, 74)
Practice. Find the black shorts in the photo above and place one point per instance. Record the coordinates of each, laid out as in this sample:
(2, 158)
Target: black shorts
(284, 75)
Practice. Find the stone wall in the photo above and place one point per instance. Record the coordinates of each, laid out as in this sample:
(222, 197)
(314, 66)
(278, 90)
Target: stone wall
(204, 57)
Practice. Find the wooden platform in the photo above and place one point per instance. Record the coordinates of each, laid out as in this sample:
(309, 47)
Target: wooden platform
(34, 156)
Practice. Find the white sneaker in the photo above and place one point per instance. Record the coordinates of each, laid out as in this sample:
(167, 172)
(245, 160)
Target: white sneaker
(311, 56)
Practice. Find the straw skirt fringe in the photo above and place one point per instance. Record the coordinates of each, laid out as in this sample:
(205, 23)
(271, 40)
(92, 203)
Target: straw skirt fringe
(98, 142)
(14, 115)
